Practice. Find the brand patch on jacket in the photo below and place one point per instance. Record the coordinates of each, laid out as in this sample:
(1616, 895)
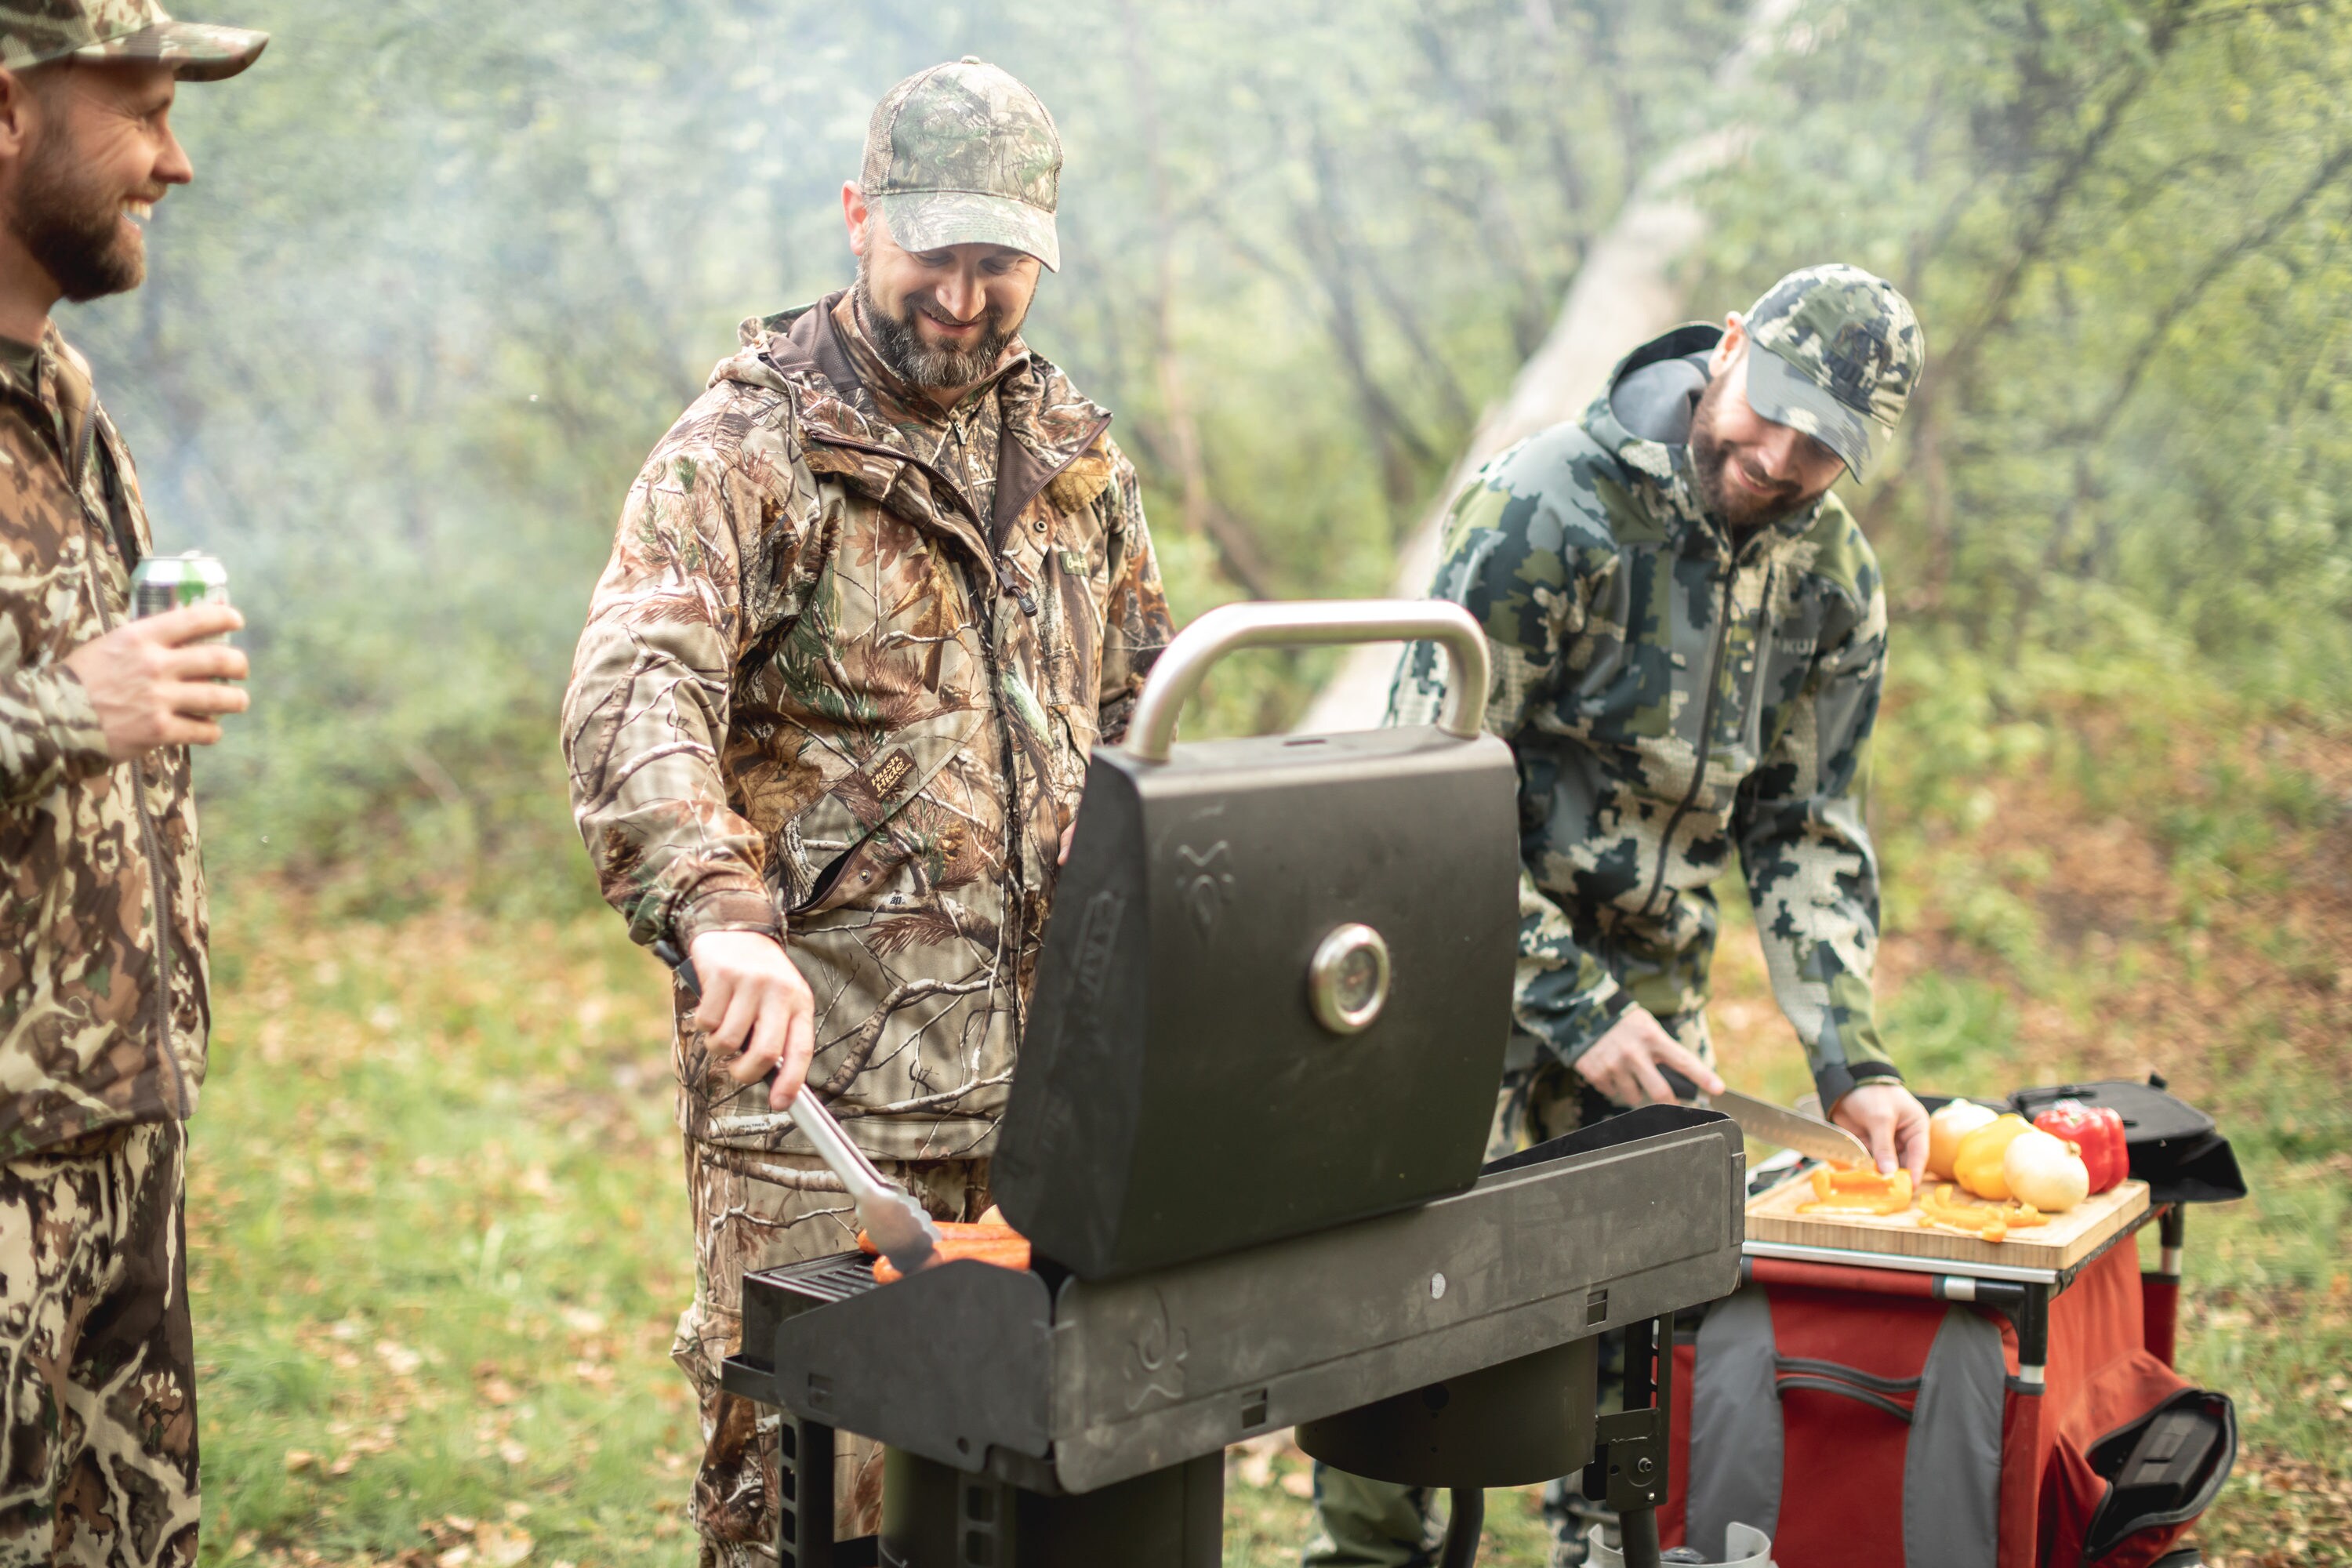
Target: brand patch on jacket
(891, 771)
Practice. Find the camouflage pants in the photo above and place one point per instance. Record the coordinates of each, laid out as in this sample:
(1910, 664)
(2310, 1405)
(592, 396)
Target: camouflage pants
(98, 1436)
(1378, 1524)
(754, 1211)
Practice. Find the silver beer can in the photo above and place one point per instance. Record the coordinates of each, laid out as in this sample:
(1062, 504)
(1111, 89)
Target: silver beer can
(164, 583)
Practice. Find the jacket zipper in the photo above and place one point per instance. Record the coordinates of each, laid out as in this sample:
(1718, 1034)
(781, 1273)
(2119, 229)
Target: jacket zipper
(1014, 928)
(159, 889)
(1721, 644)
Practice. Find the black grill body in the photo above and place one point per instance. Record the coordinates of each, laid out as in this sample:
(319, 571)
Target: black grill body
(1176, 1096)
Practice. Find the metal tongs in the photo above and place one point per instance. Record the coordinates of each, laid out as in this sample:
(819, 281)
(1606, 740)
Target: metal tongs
(894, 1222)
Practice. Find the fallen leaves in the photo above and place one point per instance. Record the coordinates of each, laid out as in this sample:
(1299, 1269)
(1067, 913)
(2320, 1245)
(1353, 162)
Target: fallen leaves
(2301, 1515)
(460, 1540)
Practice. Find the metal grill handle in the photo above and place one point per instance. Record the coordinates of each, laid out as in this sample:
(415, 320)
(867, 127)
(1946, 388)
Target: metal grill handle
(1306, 623)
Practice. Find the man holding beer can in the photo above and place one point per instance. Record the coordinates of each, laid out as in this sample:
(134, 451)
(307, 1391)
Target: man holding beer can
(103, 991)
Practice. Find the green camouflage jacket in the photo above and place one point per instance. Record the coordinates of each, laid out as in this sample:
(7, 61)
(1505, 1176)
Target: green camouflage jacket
(1670, 698)
(104, 1007)
(820, 690)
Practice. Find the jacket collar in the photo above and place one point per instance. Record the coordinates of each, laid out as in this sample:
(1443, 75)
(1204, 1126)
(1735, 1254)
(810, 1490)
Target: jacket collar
(1048, 425)
(1689, 526)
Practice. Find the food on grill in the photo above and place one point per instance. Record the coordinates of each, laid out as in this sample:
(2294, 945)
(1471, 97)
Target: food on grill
(1978, 1166)
(1858, 1190)
(2045, 1172)
(2097, 1133)
(1944, 1207)
(998, 1244)
(1951, 1123)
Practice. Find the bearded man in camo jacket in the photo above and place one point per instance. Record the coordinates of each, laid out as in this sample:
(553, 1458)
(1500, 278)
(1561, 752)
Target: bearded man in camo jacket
(874, 599)
(103, 994)
(1689, 638)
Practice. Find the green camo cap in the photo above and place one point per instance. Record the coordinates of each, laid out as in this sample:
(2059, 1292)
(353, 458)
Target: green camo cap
(1842, 352)
(34, 32)
(964, 155)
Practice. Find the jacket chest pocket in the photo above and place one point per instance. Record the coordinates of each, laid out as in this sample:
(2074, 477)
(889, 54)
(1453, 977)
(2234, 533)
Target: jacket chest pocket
(1630, 678)
(884, 680)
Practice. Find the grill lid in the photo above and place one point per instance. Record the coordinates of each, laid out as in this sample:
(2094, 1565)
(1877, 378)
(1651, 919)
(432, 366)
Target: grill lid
(1275, 993)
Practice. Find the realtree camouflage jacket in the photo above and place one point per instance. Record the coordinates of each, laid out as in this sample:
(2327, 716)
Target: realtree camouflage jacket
(1670, 698)
(820, 695)
(104, 1004)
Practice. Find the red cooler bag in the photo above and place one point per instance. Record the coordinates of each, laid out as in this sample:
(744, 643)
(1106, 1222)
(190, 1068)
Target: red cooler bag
(1857, 1418)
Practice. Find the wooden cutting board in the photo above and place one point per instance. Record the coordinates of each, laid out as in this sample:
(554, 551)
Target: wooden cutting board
(2060, 1242)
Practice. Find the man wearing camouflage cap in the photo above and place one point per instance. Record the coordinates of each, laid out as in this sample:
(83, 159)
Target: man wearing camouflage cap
(873, 601)
(1689, 636)
(104, 1004)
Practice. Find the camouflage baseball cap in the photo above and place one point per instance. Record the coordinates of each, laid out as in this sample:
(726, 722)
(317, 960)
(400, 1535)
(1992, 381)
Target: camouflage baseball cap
(33, 32)
(963, 154)
(1842, 352)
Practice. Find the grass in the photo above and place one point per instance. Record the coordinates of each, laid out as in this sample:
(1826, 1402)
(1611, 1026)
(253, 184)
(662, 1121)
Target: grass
(437, 1231)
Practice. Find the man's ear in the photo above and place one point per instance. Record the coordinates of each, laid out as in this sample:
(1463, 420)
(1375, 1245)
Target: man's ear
(16, 112)
(1733, 344)
(855, 214)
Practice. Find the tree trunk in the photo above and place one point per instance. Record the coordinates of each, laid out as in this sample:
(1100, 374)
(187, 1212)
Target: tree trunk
(1624, 295)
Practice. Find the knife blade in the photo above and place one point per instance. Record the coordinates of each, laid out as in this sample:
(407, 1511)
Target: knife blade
(1773, 1124)
(892, 1219)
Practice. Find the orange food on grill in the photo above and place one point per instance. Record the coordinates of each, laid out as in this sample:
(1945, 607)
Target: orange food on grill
(1858, 1190)
(999, 1245)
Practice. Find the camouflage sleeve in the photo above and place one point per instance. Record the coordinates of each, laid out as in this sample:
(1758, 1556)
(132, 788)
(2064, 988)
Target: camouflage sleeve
(1136, 622)
(49, 733)
(1812, 874)
(1515, 547)
(647, 709)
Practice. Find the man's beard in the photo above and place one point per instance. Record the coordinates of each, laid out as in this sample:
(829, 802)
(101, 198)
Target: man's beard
(901, 345)
(1741, 511)
(73, 229)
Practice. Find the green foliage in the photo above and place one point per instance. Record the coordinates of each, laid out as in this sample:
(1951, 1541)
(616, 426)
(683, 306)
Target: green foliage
(2124, 225)
(450, 268)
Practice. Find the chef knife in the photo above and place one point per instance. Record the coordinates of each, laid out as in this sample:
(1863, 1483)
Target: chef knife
(1768, 1123)
(894, 1222)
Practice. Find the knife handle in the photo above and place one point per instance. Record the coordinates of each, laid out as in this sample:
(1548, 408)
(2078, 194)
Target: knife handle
(669, 952)
(1685, 1090)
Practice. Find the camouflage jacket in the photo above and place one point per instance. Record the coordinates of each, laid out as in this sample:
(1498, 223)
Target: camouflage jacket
(1670, 696)
(820, 690)
(104, 1004)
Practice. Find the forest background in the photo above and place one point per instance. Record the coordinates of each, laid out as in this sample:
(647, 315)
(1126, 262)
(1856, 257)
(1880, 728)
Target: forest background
(450, 270)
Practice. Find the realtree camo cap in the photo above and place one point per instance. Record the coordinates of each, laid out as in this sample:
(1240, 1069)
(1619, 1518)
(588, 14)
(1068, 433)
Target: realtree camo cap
(33, 32)
(1842, 352)
(964, 155)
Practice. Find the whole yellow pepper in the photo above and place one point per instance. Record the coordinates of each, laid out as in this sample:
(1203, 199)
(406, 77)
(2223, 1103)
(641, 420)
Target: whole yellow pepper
(1977, 1164)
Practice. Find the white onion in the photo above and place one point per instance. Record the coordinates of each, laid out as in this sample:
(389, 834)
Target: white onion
(2045, 1172)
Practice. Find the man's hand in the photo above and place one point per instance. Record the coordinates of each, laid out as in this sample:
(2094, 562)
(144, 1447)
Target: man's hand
(154, 681)
(1624, 1063)
(1891, 1123)
(755, 1002)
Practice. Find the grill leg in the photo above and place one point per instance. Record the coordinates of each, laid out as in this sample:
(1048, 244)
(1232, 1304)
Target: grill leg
(1629, 1463)
(1463, 1530)
(804, 1496)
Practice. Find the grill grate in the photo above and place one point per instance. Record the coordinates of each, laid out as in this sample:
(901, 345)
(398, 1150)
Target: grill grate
(827, 1279)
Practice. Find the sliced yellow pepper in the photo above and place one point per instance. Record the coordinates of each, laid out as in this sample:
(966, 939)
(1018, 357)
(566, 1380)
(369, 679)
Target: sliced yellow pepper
(1858, 1192)
(1944, 1207)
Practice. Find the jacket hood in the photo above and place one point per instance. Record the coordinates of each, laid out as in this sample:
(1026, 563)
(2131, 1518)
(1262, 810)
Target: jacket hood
(1644, 415)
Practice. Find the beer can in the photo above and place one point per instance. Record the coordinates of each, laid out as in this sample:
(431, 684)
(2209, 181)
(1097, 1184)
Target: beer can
(164, 583)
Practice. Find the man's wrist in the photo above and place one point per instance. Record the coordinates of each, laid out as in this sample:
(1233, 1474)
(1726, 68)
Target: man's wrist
(729, 910)
(1592, 1020)
(1837, 1080)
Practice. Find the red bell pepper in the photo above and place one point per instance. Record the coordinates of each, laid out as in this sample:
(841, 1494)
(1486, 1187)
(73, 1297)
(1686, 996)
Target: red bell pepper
(2098, 1131)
